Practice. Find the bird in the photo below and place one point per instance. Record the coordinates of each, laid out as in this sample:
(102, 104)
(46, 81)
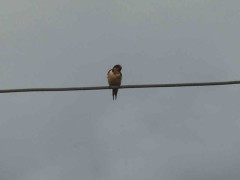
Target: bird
(114, 77)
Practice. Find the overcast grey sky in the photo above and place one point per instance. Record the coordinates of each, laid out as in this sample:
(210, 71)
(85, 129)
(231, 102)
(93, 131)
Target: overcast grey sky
(168, 133)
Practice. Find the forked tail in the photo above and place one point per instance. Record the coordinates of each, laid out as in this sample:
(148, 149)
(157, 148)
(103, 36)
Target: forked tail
(114, 93)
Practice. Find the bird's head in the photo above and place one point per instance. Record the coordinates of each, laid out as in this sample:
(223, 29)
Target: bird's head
(117, 67)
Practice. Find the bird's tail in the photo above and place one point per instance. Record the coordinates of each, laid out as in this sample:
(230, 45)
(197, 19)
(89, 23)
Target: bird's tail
(114, 93)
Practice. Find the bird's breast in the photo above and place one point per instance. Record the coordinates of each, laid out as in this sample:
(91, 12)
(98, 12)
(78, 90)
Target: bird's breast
(114, 78)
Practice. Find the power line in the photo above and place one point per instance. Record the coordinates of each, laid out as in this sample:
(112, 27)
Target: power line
(120, 87)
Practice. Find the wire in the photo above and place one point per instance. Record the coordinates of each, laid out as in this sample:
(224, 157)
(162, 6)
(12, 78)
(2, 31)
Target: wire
(120, 87)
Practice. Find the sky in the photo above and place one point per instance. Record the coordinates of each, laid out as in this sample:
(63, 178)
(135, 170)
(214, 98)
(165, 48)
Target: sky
(160, 133)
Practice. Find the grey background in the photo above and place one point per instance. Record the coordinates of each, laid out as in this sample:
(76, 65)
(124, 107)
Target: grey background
(163, 133)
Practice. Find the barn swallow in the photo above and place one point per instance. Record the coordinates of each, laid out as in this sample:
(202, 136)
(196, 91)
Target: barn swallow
(114, 76)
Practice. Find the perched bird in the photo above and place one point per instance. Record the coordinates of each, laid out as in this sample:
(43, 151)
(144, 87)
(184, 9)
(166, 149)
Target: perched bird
(114, 76)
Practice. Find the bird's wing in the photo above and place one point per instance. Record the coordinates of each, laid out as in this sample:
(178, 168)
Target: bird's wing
(109, 71)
